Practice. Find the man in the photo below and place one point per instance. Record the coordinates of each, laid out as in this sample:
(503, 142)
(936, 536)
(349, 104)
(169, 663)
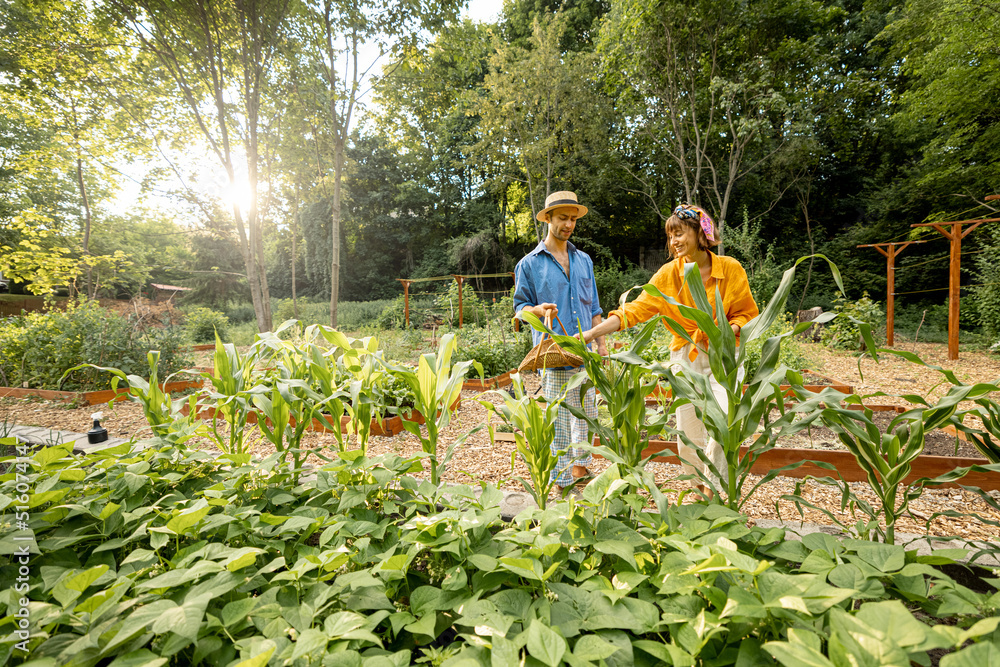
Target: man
(558, 279)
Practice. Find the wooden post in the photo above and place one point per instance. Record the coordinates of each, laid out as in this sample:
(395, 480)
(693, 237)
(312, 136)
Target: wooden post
(955, 235)
(893, 249)
(459, 279)
(406, 301)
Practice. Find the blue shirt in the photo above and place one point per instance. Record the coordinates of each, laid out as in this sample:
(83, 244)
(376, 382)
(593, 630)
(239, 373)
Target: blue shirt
(539, 278)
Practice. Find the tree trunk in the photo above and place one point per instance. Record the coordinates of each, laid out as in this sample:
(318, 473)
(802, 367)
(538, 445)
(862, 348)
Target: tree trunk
(295, 233)
(86, 226)
(338, 169)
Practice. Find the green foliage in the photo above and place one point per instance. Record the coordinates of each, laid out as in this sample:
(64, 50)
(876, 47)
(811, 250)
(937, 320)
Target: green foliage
(613, 281)
(791, 354)
(986, 296)
(393, 315)
(437, 388)
(39, 348)
(203, 324)
(239, 312)
(746, 243)
(497, 349)
(474, 309)
(534, 426)
(844, 332)
(162, 555)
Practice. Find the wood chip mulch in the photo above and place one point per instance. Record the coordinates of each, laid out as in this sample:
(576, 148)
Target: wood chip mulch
(479, 459)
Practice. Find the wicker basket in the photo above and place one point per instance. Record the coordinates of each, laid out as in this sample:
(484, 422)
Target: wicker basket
(547, 354)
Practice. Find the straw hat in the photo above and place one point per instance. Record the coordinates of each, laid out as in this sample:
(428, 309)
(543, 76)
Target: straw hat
(561, 198)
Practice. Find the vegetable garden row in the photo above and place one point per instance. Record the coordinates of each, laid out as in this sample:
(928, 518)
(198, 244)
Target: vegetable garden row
(167, 555)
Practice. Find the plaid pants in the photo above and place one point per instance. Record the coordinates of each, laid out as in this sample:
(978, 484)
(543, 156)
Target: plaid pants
(570, 431)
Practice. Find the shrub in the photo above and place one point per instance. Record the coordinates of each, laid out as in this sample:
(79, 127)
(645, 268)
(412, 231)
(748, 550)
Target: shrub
(393, 313)
(39, 348)
(202, 324)
(239, 312)
(612, 281)
(497, 350)
(843, 333)
(473, 308)
(791, 351)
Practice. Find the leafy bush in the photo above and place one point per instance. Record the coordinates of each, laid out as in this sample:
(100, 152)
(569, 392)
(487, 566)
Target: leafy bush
(612, 281)
(746, 244)
(239, 312)
(39, 348)
(474, 309)
(201, 325)
(393, 313)
(790, 353)
(844, 334)
(496, 349)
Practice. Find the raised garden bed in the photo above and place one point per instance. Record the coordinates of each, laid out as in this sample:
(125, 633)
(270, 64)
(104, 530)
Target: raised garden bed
(488, 383)
(926, 465)
(386, 427)
(90, 397)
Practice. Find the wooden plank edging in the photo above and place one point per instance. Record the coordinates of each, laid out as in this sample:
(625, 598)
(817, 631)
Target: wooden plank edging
(90, 397)
(847, 466)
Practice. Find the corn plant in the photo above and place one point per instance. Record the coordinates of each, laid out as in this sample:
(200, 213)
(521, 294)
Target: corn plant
(534, 426)
(360, 362)
(748, 406)
(165, 416)
(437, 385)
(886, 458)
(623, 383)
(234, 380)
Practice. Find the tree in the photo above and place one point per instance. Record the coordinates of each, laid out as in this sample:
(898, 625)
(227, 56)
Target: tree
(329, 38)
(714, 89)
(60, 60)
(219, 55)
(542, 116)
(948, 51)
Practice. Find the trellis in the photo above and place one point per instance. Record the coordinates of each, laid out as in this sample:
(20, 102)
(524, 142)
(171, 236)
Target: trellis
(459, 278)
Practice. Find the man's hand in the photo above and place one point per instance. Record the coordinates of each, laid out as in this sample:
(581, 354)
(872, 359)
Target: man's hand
(543, 309)
(602, 349)
(736, 329)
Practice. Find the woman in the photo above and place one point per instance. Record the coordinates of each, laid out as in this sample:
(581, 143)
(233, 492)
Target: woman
(690, 234)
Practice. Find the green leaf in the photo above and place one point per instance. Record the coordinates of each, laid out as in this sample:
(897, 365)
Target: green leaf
(797, 655)
(977, 655)
(267, 648)
(69, 589)
(545, 644)
(237, 611)
(187, 519)
(141, 658)
(592, 647)
(309, 642)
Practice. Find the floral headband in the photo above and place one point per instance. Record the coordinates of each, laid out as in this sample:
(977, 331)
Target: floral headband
(689, 212)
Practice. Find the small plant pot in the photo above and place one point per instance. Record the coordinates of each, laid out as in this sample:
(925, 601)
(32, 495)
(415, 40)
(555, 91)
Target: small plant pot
(485, 384)
(504, 436)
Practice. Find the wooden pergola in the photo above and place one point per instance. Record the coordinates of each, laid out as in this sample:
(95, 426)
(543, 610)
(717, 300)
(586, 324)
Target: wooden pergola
(954, 233)
(460, 279)
(891, 251)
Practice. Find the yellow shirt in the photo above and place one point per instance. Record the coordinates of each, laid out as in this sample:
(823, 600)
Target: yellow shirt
(727, 274)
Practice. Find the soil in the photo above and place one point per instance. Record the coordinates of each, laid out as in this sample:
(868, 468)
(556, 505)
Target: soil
(936, 442)
(480, 459)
